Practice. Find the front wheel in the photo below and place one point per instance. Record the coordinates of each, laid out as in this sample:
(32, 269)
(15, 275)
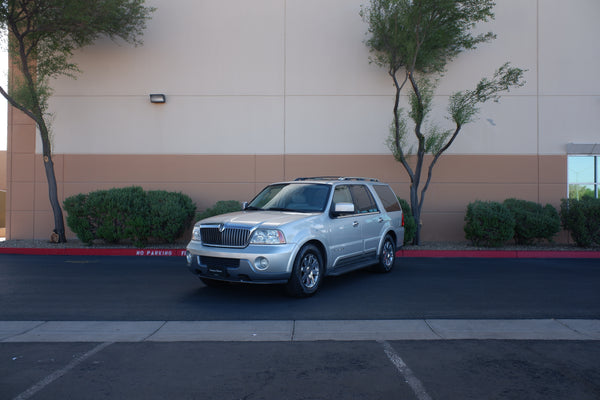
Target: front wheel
(307, 272)
(387, 256)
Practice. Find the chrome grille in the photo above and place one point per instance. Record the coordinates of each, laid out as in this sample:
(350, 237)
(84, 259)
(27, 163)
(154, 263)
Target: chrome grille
(225, 236)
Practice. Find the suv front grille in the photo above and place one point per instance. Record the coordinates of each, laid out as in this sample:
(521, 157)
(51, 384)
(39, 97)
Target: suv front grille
(227, 236)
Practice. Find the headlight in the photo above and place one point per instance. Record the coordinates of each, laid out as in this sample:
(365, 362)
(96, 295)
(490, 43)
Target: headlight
(196, 234)
(267, 236)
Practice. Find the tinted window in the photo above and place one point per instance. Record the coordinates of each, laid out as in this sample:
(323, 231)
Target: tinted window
(363, 201)
(387, 197)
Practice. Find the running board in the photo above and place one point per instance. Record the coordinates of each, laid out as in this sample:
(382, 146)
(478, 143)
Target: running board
(353, 263)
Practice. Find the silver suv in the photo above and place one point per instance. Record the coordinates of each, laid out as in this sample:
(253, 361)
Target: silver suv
(295, 233)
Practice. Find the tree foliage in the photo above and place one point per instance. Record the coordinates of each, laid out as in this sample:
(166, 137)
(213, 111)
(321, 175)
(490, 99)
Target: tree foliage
(414, 40)
(43, 36)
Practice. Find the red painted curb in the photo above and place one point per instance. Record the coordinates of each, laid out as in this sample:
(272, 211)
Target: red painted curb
(497, 254)
(95, 252)
(401, 253)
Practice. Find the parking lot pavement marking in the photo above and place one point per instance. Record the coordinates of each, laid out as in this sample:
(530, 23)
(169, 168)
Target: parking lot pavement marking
(59, 373)
(410, 378)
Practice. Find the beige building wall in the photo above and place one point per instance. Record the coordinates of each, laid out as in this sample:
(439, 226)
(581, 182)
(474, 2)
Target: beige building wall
(3, 193)
(3, 170)
(275, 89)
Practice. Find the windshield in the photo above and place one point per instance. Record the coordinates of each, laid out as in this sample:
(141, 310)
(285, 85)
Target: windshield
(297, 197)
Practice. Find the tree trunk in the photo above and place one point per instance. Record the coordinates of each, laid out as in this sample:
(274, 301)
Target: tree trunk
(59, 223)
(416, 210)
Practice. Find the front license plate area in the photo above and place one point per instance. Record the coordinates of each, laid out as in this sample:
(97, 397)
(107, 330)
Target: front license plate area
(220, 272)
(217, 267)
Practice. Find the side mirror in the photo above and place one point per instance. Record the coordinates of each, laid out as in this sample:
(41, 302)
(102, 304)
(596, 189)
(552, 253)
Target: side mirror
(344, 208)
(244, 205)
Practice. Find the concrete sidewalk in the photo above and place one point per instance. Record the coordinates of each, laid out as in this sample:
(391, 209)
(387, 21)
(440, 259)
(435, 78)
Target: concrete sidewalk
(302, 330)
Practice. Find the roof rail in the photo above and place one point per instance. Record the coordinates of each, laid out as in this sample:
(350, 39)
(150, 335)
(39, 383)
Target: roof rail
(336, 178)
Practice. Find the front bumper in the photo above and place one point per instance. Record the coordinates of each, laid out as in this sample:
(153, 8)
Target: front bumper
(246, 265)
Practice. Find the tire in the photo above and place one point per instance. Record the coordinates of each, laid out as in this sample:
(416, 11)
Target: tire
(387, 258)
(307, 272)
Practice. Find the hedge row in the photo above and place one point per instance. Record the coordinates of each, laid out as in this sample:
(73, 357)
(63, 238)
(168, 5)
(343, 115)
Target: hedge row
(129, 214)
(492, 224)
(135, 215)
(582, 219)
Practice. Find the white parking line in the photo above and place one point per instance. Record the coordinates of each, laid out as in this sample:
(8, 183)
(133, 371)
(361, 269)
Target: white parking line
(410, 378)
(57, 374)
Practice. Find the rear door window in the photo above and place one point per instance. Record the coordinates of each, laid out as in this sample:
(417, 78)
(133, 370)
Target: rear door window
(363, 200)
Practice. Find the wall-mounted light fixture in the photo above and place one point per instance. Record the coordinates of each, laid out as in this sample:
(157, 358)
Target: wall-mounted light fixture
(158, 98)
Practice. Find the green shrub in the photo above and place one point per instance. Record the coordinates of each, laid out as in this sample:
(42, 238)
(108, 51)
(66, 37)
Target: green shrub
(221, 207)
(122, 215)
(532, 221)
(410, 226)
(488, 224)
(582, 219)
(78, 218)
(128, 214)
(170, 214)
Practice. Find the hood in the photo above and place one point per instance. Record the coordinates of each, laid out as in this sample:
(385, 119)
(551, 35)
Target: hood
(257, 218)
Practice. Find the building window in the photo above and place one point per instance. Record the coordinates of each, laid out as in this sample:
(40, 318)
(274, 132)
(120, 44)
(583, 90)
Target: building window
(583, 176)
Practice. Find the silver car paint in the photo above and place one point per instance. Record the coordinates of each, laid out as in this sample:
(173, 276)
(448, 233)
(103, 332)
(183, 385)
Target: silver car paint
(341, 238)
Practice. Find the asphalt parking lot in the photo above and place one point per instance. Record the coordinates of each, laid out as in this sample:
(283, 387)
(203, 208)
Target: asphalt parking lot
(123, 328)
(463, 369)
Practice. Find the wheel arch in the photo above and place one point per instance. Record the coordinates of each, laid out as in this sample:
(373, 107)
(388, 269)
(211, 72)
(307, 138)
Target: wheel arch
(394, 237)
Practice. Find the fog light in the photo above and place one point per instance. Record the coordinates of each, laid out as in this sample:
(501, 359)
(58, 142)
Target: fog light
(189, 257)
(261, 263)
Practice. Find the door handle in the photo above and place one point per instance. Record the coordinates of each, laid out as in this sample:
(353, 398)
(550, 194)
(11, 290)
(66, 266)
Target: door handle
(380, 219)
(355, 224)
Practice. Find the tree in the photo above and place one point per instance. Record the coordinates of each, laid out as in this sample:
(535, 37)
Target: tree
(415, 40)
(43, 34)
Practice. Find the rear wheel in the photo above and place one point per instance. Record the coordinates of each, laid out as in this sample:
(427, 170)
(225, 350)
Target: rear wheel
(307, 272)
(387, 257)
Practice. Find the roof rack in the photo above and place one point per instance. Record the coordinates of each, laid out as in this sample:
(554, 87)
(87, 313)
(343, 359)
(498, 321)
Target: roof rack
(336, 178)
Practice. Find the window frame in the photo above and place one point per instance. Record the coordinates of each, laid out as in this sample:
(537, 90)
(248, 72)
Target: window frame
(595, 184)
(353, 196)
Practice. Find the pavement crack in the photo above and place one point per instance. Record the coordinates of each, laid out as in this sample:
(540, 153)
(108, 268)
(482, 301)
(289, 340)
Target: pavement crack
(155, 331)
(24, 332)
(433, 330)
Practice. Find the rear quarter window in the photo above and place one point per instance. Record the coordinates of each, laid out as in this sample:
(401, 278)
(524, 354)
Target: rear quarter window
(387, 197)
